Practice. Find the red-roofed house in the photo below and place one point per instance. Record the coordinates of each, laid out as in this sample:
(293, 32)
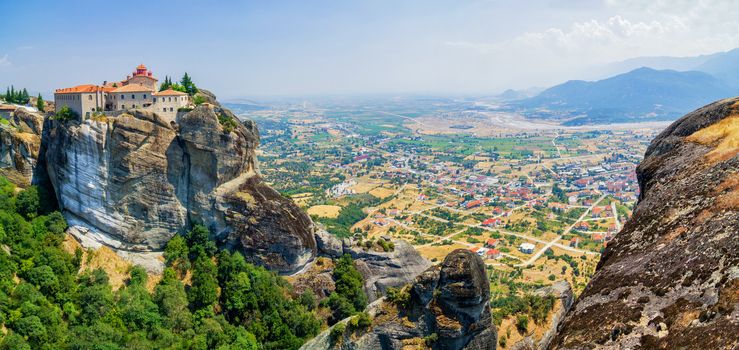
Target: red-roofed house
(493, 254)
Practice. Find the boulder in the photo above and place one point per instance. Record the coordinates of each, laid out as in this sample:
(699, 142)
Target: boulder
(382, 270)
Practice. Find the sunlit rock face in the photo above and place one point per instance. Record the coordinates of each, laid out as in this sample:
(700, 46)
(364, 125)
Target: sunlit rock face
(670, 278)
(134, 180)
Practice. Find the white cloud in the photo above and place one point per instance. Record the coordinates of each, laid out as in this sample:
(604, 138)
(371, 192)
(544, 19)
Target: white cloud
(4, 61)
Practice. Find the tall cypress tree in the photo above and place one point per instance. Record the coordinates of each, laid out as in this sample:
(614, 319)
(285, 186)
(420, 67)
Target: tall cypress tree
(40, 103)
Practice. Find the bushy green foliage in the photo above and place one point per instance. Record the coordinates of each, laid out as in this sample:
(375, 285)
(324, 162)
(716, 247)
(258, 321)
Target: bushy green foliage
(46, 302)
(186, 85)
(522, 324)
(28, 203)
(65, 114)
(228, 123)
(198, 100)
(337, 333)
(399, 296)
(348, 298)
(534, 306)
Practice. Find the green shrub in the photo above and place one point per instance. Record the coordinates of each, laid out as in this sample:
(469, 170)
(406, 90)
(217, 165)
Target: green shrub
(65, 114)
(337, 332)
(399, 296)
(522, 324)
(430, 339)
(228, 123)
(198, 100)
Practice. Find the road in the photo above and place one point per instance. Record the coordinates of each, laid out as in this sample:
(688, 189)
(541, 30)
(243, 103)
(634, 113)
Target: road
(556, 239)
(615, 216)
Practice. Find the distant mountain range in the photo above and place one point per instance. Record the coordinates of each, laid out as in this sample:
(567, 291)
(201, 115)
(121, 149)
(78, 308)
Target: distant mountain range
(673, 87)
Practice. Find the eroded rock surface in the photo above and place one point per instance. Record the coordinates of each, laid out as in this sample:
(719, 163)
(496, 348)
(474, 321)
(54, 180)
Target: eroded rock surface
(380, 269)
(670, 279)
(447, 309)
(135, 180)
(20, 141)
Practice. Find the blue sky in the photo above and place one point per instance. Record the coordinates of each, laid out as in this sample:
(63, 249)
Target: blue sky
(262, 48)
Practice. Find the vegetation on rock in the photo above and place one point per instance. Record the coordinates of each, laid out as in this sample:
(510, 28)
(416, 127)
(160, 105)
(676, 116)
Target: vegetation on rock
(47, 302)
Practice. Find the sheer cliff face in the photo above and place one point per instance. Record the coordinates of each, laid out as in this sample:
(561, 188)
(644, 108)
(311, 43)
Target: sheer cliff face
(670, 279)
(135, 180)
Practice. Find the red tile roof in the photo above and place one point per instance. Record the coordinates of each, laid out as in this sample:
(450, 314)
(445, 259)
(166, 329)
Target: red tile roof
(169, 92)
(87, 88)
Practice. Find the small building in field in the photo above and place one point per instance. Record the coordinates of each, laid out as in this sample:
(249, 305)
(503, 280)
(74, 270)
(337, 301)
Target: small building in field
(526, 248)
(493, 254)
(491, 243)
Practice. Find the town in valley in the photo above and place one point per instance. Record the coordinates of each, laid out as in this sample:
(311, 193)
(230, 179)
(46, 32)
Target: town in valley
(536, 200)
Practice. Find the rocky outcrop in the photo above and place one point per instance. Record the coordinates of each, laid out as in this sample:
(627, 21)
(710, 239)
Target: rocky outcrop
(380, 269)
(134, 180)
(446, 308)
(20, 141)
(670, 278)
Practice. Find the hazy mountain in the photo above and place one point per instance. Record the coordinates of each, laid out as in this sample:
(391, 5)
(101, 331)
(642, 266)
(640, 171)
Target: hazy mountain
(641, 94)
(724, 66)
(514, 95)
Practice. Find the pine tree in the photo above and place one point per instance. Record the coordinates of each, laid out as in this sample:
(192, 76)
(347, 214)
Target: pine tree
(40, 103)
(25, 97)
(187, 83)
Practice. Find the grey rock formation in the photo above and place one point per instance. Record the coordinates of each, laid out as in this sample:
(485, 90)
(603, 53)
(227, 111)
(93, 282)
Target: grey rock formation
(380, 269)
(447, 309)
(670, 278)
(135, 180)
(328, 245)
(20, 141)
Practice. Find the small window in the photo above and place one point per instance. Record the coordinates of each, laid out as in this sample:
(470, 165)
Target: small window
(89, 97)
(170, 99)
(155, 99)
(133, 97)
(123, 97)
(171, 109)
(123, 106)
(164, 109)
(144, 96)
